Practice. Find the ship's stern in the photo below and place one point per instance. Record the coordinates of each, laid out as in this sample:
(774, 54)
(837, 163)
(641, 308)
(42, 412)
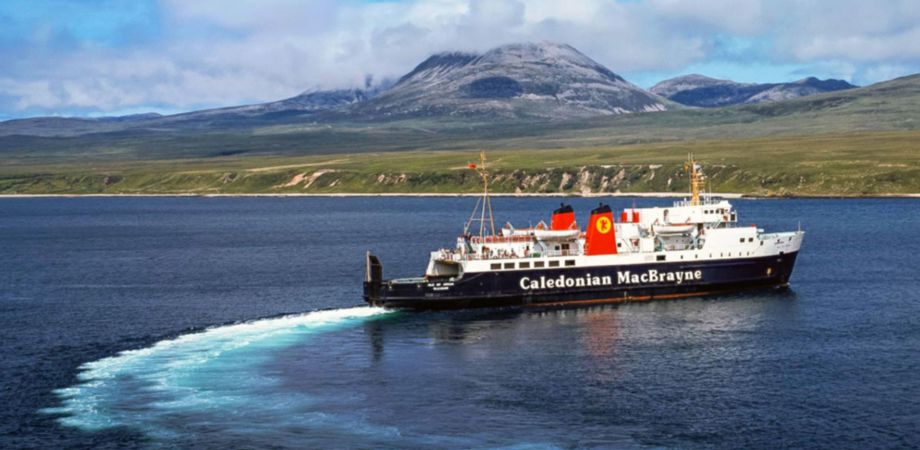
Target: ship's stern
(373, 280)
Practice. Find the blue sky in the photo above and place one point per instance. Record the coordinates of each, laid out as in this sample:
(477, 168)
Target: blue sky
(98, 57)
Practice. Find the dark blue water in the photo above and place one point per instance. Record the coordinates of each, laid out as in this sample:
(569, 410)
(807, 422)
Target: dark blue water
(192, 322)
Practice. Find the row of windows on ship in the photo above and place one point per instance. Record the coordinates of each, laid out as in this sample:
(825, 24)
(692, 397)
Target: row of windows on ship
(571, 262)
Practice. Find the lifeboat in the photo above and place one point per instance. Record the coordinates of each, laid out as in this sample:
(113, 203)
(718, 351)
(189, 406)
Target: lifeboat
(556, 235)
(673, 229)
(509, 231)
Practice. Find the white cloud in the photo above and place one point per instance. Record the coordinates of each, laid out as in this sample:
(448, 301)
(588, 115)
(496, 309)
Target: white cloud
(217, 53)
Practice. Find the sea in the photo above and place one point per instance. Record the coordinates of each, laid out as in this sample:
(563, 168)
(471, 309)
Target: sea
(235, 322)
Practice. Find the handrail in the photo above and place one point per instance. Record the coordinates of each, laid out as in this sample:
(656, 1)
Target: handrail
(501, 239)
(454, 256)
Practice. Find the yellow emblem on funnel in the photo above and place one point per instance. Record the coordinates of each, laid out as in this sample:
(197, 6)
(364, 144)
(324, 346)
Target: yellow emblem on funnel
(603, 225)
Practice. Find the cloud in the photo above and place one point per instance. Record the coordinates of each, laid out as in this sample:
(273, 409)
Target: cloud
(108, 56)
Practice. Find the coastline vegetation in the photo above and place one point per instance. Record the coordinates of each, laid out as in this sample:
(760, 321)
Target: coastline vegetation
(833, 164)
(857, 142)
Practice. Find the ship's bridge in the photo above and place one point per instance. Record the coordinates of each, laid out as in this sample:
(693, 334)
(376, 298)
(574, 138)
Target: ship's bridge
(710, 212)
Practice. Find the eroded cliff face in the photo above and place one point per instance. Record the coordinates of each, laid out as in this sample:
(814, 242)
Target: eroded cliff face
(586, 180)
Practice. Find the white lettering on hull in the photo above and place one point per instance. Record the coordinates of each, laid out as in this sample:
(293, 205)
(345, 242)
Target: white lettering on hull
(623, 277)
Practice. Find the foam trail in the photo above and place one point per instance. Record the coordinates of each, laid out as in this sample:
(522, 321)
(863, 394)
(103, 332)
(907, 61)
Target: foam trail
(211, 372)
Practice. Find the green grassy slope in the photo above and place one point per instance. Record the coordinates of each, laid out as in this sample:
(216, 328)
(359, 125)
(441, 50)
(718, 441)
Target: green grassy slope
(858, 142)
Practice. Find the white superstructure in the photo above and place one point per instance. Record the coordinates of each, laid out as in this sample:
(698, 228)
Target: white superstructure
(699, 228)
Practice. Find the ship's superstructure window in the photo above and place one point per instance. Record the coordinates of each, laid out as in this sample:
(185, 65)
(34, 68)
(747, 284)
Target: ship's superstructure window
(554, 263)
(496, 266)
(509, 265)
(539, 264)
(742, 240)
(660, 257)
(570, 262)
(524, 265)
(750, 239)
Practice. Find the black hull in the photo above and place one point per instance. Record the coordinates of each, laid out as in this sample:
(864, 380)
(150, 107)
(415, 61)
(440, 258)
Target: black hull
(506, 288)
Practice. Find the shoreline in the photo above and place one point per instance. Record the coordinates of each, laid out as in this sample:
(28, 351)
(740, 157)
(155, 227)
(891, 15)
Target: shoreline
(726, 195)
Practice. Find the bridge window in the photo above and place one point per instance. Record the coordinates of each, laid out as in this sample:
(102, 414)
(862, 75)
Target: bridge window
(554, 263)
(496, 266)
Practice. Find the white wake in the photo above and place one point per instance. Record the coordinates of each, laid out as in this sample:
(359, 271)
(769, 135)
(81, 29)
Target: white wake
(212, 370)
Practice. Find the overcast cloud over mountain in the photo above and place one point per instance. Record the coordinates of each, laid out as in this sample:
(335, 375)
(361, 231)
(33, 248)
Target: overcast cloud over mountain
(103, 57)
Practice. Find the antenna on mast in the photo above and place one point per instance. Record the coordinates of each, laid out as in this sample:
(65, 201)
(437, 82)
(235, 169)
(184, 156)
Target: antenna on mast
(696, 179)
(484, 204)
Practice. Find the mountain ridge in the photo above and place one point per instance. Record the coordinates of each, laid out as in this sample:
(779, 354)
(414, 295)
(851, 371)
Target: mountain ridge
(545, 80)
(697, 90)
(542, 81)
(522, 83)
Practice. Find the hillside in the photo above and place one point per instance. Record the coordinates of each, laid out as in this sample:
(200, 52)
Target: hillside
(702, 91)
(852, 142)
(857, 142)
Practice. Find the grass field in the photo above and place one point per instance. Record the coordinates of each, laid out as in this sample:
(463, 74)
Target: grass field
(849, 143)
(845, 164)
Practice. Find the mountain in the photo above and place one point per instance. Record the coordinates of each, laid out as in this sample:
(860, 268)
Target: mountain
(520, 83)
(72, 126)
(541, 81)
(849, 142)
(702, 91)
(531, 80)
(303, 105)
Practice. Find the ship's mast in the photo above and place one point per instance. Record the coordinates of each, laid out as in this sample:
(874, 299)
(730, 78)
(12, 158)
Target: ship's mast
(696, 179)
(484, 204)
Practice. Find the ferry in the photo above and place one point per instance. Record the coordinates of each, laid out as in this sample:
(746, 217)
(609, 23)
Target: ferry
(694, 248)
